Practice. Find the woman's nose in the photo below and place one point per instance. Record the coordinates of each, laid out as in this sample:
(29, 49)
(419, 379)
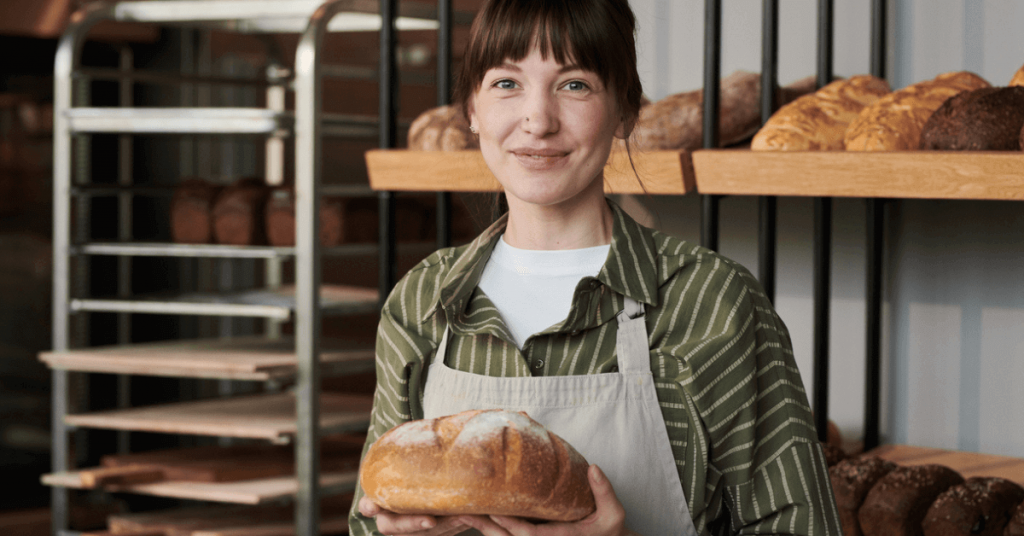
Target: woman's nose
(540, 115)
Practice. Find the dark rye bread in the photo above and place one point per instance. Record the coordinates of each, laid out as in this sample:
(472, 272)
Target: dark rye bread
(898, 502)
(986, 119)
(192, 211)
(280, 218)
(1016, 525)
(852, 479)
(833, 454)
(238, 213)
(981, 506)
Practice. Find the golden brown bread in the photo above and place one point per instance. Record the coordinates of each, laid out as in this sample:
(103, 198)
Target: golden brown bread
(1018, 77)
(818, 121)
(441, 129)
(477, 462)
(894, 122)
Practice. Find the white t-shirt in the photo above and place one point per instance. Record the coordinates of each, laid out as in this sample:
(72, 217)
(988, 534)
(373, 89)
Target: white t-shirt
(533, 289)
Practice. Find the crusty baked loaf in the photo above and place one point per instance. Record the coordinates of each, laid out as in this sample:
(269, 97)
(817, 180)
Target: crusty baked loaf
(818, 121)
(676, 122)
(985, 119)
(1018, 77)
(1016, 525)
(852, 479)
(280, 219)
(894, 122)
(981, 506)
(238, 213)
(833, 454)
(192, 211)
(441, 129)
(897, 503)
(477, 462)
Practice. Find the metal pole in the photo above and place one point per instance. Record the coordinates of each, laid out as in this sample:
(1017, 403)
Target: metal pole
(767, 206)
(124, 222)
(444, 77)
(388, 138)
(712, 70)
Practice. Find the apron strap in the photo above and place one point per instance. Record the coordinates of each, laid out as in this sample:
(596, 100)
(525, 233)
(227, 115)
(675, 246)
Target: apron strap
(631, 345)
(443, 347)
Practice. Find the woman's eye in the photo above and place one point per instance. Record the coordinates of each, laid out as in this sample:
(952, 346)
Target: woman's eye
(505, 84)
(576, 85)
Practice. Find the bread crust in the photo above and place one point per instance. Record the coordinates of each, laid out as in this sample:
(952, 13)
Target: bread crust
(894, 122)
(485, 462)
(1018, 77)
(441, 129)
(818, 121)
(986, 119)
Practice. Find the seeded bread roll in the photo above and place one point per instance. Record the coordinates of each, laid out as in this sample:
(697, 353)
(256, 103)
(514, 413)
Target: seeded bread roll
(490, 462)
(981, 506)
(986, 119)
(441, 129)
(1018, 77)
(852, 479)
(894, 122)
(192, 212)
(818, 121)
(238, 213)
(1016, 525)
(897, 504)
(280, 218)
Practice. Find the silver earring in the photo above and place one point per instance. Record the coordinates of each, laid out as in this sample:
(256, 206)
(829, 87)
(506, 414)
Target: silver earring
(472, 129)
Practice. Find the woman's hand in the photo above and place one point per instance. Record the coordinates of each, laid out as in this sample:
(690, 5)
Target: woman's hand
(411, 525)
(607, 520)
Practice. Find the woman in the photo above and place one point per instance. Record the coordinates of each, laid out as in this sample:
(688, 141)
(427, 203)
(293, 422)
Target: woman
(699, 424)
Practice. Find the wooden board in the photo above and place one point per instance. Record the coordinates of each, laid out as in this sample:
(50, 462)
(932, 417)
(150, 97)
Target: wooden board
(967, 464)
(246, 358)
(662, 172)
(276, 520)
(259, 491)
(908, 175)
(258, 417)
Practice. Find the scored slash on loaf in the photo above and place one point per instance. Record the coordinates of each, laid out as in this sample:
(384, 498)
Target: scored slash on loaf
(485, 462)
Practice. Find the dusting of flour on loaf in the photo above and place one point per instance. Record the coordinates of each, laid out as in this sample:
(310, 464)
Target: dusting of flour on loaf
(489, 423)
(413, 433)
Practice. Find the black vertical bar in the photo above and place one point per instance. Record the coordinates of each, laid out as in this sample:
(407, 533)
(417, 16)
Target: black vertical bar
(712, 74)
(822, 245)
(388, 139)
(767, 206)
(444, 79)
(873, 259)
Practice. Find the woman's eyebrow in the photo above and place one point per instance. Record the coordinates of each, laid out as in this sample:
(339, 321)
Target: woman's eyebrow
(515, 68)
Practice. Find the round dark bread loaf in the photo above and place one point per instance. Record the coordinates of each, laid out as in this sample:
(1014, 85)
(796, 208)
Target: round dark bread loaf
(852, 479)
(986, 119)
(981, 506)
(489, 462)
(238, 213)
(1016, 525)
(897, 504)
(833, 454)
(192, 211)
(280, 219)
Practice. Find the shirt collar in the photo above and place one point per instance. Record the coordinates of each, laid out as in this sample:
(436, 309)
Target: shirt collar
(630, 269)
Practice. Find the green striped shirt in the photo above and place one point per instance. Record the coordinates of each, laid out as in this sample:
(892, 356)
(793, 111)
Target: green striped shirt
(734, 406)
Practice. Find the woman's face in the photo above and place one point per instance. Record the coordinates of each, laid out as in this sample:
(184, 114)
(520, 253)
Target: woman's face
(545, 129)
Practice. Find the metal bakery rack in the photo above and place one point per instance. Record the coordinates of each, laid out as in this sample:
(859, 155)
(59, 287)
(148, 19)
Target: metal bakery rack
(300, 417)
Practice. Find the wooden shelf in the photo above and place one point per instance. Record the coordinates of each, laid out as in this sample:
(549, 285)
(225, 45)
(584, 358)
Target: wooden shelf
(226, 520)
(246, 358)
(662, 172)
(967, 464)
(259, 491)
(907, 175)
(269, 417)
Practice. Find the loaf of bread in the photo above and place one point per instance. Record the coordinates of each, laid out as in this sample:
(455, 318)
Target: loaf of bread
(852, 479)
(490, 462)
(833, 454)
(818, 121)
(986, 119)
(676, 122)
(1018, 77)
(238, 213)
(981, 506)
(894, 122)
(441, 129)
(898, 502)
(1016, 525)
(280, 219)
(192, 211)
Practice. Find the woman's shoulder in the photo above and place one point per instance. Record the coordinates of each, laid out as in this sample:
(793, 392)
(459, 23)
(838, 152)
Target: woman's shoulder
(677, 257)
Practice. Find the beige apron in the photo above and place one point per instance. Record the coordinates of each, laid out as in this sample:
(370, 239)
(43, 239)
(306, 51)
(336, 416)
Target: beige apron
(613, 419)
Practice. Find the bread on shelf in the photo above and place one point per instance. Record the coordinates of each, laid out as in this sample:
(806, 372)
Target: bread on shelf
(894, 122)
(985, 119)
(1016, 525)
(818, 121)
(898, 502)
(981, 506)
(1018, 77)
(441, 129)
(280, 219)
(238, 213)
(852, 479)
(192, 211)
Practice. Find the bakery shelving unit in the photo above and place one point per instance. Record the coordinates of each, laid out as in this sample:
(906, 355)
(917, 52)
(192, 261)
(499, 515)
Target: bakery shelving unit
(300, 417)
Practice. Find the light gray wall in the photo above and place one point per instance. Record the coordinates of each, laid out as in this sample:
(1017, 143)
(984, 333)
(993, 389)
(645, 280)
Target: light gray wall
(953, 323)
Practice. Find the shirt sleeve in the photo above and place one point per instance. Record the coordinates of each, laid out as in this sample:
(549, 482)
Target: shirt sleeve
(405, 344)
(765, 466)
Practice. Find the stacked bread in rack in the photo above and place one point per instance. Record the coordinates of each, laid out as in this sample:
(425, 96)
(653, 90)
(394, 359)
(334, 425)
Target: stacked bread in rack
(953, 111)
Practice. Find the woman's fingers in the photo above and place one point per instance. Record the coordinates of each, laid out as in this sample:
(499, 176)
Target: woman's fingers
(485, 525)
(411, 525)
(610, 515)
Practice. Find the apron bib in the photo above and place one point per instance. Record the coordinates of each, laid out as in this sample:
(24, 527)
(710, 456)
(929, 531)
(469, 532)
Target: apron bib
(612, 419)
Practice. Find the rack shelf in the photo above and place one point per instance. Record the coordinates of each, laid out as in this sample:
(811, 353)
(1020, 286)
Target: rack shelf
(208, 121)
(662, 172)
(907, 175)
(223, 521)
(967, 464)
(278, 304)
(270, 417)
(155, 249)
(257, 491)
(246, 358)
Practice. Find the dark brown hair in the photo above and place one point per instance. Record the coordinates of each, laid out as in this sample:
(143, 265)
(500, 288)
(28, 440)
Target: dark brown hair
(596, 35)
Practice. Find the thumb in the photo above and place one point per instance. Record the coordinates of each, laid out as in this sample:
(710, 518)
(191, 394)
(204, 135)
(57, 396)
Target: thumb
(604, 495)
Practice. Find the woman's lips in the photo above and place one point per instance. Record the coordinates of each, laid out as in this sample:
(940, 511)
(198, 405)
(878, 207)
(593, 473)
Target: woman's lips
(540, 159)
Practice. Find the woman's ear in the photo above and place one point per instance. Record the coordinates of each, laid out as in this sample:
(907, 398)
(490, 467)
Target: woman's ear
(471, 114)
(625, 127)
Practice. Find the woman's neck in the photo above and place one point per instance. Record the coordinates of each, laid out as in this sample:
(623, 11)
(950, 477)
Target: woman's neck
(582, 224)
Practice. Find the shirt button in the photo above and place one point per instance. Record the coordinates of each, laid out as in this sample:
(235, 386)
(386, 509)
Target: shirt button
(539, 363)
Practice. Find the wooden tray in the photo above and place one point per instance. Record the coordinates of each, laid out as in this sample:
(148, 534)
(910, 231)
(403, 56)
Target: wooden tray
(269, 520)
(908, 174)
(258, 417)
(247, 358)
(662, 172)
(967, 464)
